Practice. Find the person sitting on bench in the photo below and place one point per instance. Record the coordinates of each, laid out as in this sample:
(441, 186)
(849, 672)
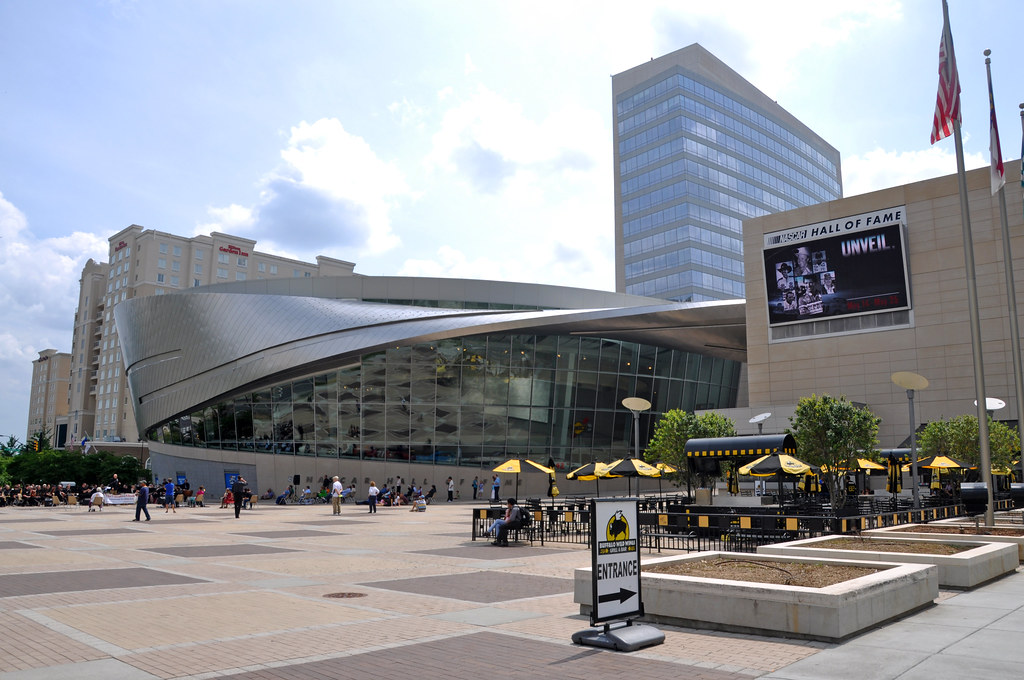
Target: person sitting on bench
(514, 521)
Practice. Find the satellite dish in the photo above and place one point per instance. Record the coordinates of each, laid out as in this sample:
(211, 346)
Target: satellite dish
(909, 380)
(992, 403)
(760, 418)
(636, 403)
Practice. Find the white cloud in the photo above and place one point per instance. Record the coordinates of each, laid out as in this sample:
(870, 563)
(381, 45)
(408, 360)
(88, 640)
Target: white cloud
(39, 294)
(880, 169)
(469, 67)
(331, 193)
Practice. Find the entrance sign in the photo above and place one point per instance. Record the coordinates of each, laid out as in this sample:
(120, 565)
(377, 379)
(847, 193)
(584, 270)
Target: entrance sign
(615, 578)
(615, 541)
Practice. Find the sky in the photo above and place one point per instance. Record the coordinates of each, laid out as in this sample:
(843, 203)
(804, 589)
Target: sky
(465, 139)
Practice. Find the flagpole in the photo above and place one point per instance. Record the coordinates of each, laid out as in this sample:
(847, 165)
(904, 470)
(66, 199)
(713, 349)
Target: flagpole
(972, 290)
(1011, 292)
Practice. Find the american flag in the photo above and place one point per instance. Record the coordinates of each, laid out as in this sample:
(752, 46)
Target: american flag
(947, 103)
(996, 169)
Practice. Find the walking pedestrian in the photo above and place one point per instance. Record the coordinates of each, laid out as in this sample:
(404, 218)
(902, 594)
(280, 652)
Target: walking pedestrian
(141, 499)
(476, 486)
(371, 496)
(238, 491)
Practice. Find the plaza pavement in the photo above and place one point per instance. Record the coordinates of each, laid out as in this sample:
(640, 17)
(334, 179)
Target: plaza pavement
(293, 592)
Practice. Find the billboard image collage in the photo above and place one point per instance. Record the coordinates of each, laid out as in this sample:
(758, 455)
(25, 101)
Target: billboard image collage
(837, 275)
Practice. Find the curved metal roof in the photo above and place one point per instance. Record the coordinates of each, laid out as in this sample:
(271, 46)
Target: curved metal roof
(185, 350)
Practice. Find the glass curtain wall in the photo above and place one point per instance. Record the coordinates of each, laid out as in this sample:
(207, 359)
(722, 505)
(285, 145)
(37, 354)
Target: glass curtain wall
(468, 401)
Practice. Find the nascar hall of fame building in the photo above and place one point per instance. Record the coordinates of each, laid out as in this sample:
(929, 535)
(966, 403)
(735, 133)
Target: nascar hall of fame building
(380, 377)
(843, 294)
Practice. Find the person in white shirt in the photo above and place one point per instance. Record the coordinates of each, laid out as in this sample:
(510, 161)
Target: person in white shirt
(336, 490)
(371, 496)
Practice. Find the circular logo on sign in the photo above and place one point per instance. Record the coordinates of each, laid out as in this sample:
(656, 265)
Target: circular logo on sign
(618, 528)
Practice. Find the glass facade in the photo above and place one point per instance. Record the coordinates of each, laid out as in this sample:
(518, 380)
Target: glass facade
(473, 400)
(694, 160)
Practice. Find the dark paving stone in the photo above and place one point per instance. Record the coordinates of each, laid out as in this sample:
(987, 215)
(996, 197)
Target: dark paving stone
(487, 654)
(88, 532)
(294, 533)
(328, 520)
(36, 521)
(480, 586)
(219, 550)
(486, 551)
(15, 545)
(13, 585)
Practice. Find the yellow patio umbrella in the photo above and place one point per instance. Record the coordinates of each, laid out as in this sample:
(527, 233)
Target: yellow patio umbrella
(775, 464)
(733, 481)
(629, 468)
(589, 472)
(517, 465)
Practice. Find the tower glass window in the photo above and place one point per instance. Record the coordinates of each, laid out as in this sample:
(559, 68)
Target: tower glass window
(697, 150)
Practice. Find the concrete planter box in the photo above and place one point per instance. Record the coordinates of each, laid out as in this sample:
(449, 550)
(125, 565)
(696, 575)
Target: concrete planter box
(982, 562)
(829, 614)
(908, 531)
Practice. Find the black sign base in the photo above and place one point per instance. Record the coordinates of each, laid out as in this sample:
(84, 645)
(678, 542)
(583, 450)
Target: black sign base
(621, 636)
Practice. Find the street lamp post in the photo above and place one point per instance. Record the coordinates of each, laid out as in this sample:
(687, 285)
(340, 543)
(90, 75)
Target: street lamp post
(637, 405)
(911, 382)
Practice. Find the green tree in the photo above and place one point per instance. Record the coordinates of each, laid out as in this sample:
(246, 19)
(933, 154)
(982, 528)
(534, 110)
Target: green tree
(674, 429)
(51, 467)
(958, 438)
(832, 432)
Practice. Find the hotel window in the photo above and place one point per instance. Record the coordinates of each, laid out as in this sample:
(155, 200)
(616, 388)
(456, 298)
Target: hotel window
(159, 278)
(163, 248)
(222, 258)
(296, 273)
(159, 291)
(239, 276)
(195, 283)
(242, 261)
(175, 266)
(222, 273)
(177, 251)
(198, 269)
(261, 267)
(174, 281)
(199, 254)
(273, 269)
(162, 263)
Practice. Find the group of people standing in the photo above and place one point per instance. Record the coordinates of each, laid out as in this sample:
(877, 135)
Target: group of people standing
(480, 485)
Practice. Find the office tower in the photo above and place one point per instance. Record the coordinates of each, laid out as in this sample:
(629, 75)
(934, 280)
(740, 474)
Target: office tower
(697, 150)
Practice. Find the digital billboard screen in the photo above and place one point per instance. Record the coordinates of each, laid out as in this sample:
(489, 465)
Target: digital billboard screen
(854, 265)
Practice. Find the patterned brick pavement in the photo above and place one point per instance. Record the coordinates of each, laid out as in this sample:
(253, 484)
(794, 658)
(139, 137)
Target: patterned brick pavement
(191, 596)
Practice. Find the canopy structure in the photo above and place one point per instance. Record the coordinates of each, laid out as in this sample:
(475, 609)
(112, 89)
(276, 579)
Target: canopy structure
(741, 447)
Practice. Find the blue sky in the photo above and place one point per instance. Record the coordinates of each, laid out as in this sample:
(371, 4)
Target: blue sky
(434, 138)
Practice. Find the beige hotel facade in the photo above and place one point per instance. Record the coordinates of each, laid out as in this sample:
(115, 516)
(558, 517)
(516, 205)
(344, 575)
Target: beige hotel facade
(883, 290)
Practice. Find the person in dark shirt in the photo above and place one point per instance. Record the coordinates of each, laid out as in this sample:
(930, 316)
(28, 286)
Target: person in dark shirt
(141, 499)
(238, 491)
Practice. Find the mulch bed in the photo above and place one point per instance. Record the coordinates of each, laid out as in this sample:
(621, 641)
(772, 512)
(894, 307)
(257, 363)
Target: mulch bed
(966, 530)
(807, 574)
(892, 546)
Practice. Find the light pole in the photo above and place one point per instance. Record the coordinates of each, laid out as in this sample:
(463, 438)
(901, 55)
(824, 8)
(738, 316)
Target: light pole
(637, 405)
(910, 382)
